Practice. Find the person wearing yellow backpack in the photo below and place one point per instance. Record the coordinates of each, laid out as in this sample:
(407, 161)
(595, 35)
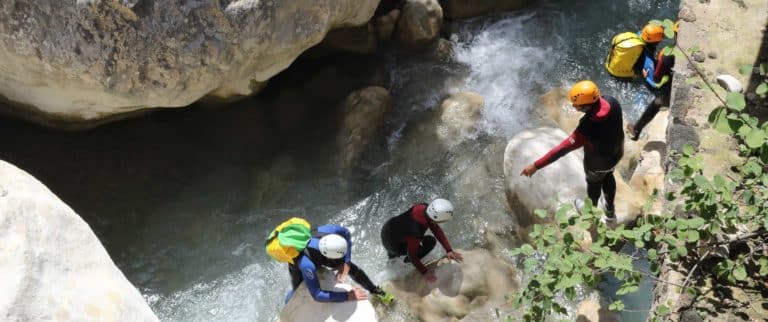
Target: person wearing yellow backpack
(658, 77)
(630, 53)
(330, 247)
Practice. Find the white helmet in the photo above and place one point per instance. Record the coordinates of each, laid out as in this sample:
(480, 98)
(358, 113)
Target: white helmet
(440, 210)
(333, 246)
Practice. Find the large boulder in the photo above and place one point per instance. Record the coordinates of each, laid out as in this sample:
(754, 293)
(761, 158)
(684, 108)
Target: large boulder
(562, 180)
(419, 24)
(75, 61)
(53, 266)
(302, 307)
(479, 283)
(365, 113)
(457, 9)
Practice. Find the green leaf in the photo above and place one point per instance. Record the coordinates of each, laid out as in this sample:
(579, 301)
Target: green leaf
(666, 51)
(745, 69)
(701, 181)
(662, 310)
(527, 249)
(761, 89)
(655, 22)
(763, 266)
(669, 33)
(740, 273)
(735, 101)
(696, 222)
(541, 213)
(687, 150)
(682, 251)
(617, 305)
(652, 254)
(693, 236)
(693, 49)
(763, 69)
(755, 138)
(720, 121)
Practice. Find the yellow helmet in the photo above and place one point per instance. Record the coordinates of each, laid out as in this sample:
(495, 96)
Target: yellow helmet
(652, 33)
(583, 93)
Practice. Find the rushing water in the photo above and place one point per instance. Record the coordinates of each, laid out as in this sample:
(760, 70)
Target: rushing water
(183, 199)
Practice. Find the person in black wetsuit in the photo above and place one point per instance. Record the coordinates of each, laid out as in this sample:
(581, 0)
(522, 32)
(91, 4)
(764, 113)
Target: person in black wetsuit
(600, 133)
(405, 234)
(658, 77)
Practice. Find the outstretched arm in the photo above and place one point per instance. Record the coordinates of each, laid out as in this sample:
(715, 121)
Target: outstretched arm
(572, 142)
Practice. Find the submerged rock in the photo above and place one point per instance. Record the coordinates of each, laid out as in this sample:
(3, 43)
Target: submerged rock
(80, 61)
(365, 113)
(53, 266)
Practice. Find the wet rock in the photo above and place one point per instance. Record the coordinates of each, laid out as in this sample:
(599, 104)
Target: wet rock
(385, 25)
(365, 113)
(712, 55)
(442, 50)
(698, 56)
(457, 9)
(562, 180)
(302, 307)
(557, 108)
(479, 283)
(459, 114)
(419, 24)
(687, 14)
(82, 61)
(730, 83)
(53, 265)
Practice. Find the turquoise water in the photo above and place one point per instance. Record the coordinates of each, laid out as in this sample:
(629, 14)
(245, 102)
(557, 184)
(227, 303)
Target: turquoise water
(183, 199)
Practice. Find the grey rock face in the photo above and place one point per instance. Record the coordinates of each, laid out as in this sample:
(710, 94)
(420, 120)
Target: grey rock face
(419, 23)
(89, 59)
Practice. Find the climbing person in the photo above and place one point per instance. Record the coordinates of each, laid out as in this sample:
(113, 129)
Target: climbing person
(600, 133)
(631, 52)
(330, 247)
(404, 234)
(658, 77)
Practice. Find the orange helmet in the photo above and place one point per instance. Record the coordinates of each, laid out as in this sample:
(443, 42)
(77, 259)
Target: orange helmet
(677, 24)
(583, 93)
(652, 33)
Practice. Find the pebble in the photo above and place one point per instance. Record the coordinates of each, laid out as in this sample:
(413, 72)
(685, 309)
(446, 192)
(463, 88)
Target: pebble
(698, 56)
(712, 55)
(687, 14)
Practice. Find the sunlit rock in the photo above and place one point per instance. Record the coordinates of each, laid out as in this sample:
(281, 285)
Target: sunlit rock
(302, 307)
(459, 115)
(82, 61)
(457, 9)
(52, 265)
(365, 114)
(478, 284)
(591, 311)
(419, 23)
(562, 180)
(556, 110)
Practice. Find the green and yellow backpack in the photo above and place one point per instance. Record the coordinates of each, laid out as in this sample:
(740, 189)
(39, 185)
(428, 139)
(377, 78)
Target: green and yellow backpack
(289, 239)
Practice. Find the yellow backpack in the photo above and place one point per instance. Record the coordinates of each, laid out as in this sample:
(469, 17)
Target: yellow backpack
(626, 48)
(288, 239)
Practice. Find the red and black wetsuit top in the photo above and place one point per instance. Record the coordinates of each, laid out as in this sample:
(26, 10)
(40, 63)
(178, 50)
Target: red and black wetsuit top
(407, 229)
(599, 132)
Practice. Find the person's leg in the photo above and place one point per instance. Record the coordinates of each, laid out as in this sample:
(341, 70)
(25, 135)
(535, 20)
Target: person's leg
(609, 190)
(594, 185)
(650, 111)
(359, 276)
(296, 277)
